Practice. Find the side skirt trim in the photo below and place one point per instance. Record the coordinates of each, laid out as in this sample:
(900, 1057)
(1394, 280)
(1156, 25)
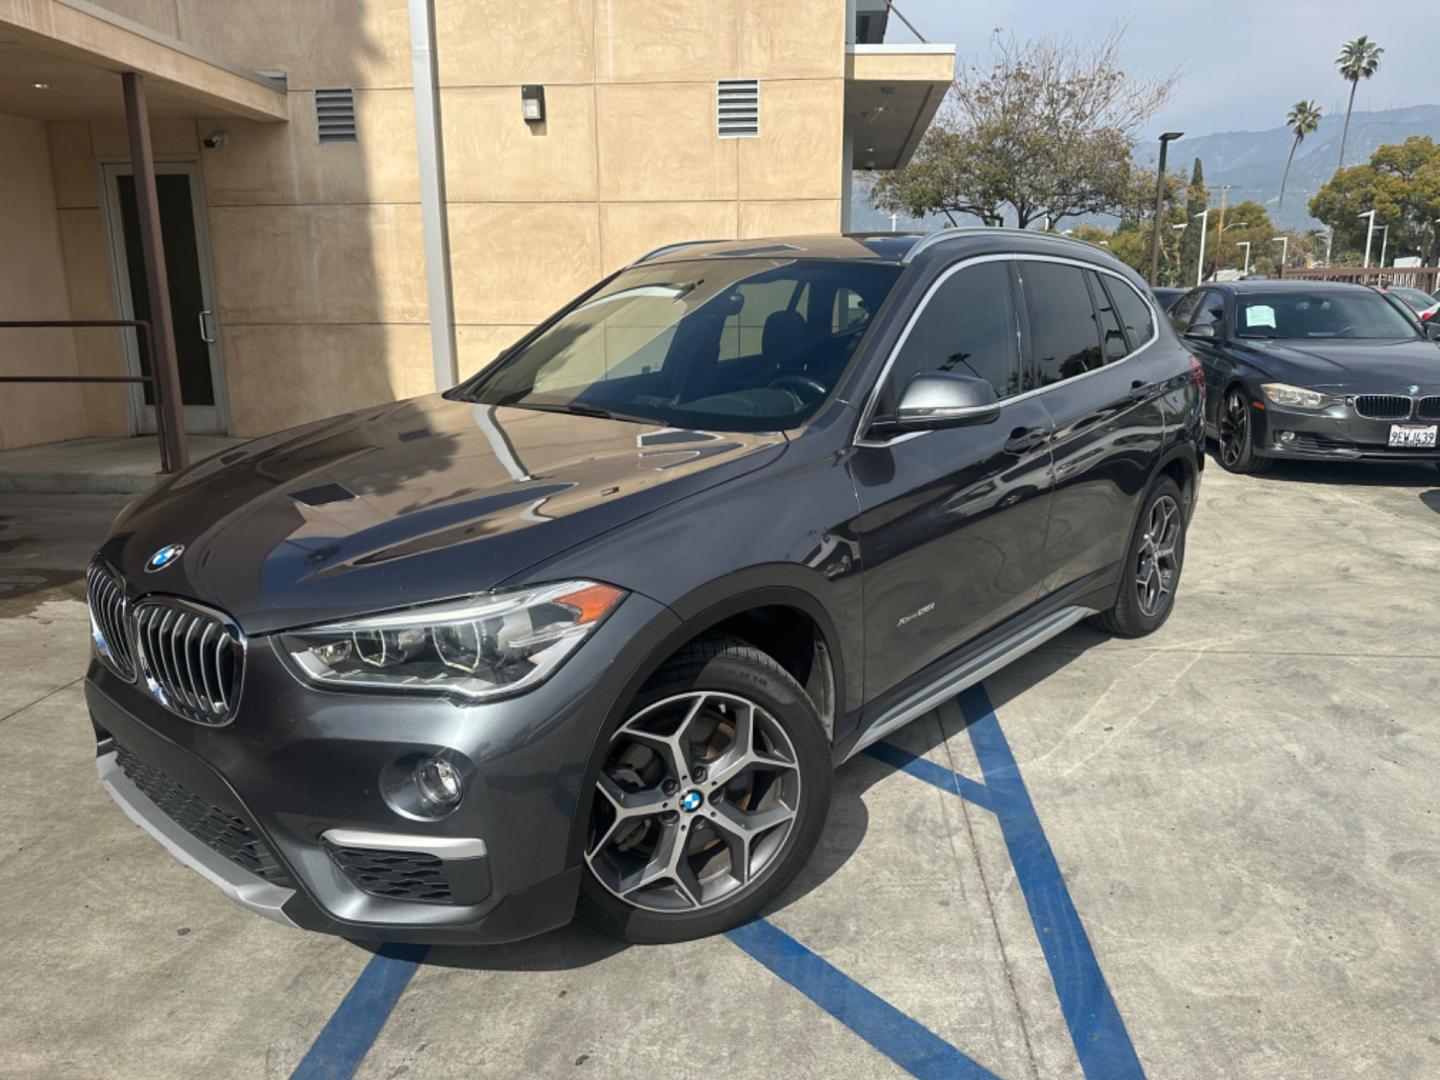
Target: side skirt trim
(974, 670)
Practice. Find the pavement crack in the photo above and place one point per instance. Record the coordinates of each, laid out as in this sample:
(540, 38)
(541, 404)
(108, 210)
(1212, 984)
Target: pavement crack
(989, 900)
(42, 697)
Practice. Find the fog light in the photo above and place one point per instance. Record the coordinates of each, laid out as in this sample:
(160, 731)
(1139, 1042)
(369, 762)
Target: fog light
(1287, 437)
(438, 783)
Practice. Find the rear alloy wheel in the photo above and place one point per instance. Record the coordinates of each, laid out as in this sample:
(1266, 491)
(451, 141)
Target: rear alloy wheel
(1236, 442)
(709, 798)
(1153, 565)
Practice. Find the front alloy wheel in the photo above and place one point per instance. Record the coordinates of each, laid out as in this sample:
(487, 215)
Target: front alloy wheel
(1236, 429)
(709, 796)
(697, 796)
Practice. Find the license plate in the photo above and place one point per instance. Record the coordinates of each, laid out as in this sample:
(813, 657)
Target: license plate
(1413, 435)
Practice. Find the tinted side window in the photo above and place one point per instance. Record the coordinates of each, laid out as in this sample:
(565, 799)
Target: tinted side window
(1112, 338)
(969, 327)
(1182, 310)
(1135, 313)
(1063, 331)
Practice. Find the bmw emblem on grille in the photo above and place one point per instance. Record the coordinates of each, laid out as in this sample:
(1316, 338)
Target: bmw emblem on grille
(164, 557)
(691, 800)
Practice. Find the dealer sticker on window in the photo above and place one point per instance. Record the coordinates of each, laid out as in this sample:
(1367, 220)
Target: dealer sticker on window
(1413, 436)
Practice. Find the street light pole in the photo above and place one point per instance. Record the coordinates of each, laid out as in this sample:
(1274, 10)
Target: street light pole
(1165, 141)
(1204, 217)
(1384, 241)
(1246, 245)
(1369, 235)
(1284, 251)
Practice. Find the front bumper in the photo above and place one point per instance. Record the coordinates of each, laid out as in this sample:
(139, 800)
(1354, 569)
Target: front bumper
(283, 809)
(1335, 434)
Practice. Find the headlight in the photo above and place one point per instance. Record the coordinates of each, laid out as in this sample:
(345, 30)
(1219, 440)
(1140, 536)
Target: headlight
(478, 647)
(1297, 396)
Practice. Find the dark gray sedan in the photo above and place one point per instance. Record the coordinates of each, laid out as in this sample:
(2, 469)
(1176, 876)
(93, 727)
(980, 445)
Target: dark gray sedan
(1312, 370)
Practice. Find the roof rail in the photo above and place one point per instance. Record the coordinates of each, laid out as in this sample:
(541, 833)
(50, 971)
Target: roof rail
(669, 248)
(968, 230)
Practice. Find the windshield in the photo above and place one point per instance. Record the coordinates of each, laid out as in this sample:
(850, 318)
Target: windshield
(741, 344)
(1361, 315)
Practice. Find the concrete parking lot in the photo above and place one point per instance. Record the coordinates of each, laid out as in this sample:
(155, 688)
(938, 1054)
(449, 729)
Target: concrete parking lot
(1213, 852)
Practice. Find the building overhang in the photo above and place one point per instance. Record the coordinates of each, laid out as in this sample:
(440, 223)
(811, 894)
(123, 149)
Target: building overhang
(61, 60)
(892, 92)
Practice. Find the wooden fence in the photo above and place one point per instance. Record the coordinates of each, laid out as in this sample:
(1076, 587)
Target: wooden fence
(1425, 278)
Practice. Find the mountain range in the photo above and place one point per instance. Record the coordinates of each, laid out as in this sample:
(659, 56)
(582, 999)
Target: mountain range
(1252, 162)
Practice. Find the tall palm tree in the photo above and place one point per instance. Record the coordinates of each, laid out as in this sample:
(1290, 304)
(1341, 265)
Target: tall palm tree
(1359, 59)
(1303, 119)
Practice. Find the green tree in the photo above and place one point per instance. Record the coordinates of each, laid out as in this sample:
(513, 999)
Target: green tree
(1401, 183)
(1303, 119)
(1358, 59)
(1197, 197)
(1245, 222)
(1047, 132)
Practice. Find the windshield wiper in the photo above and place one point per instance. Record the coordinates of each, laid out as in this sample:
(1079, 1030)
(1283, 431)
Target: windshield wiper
(575, 408)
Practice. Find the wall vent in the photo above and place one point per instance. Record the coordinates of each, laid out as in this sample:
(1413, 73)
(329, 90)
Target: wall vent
(335, 114)
(737, 108)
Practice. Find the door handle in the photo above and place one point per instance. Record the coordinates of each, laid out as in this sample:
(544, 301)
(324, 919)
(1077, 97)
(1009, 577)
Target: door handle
(1025, 439)
(206, 334)
(1139, 390)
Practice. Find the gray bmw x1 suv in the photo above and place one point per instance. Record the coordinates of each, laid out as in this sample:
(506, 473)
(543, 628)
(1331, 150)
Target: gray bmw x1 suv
(597, 624)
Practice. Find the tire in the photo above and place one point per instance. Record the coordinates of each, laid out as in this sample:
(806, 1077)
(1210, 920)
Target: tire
(744, 849)
(1134, 614)
(1235, 434)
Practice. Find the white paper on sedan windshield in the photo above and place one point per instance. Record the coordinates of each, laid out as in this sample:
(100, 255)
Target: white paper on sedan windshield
(1259, 315)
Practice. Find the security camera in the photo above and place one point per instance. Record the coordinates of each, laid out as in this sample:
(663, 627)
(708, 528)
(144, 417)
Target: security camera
(215, 140)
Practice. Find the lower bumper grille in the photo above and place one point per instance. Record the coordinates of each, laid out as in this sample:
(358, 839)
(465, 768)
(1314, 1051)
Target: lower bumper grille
(217, 829)
(394, 875)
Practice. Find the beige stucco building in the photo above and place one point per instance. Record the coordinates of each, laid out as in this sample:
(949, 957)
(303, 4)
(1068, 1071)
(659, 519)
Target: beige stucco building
(306, 243)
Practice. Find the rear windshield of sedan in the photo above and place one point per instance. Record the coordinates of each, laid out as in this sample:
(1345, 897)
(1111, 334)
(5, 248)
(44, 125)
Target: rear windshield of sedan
(740, 344)
(1361, 315)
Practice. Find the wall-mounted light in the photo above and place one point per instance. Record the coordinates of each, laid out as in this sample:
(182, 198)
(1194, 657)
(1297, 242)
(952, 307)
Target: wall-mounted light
(40, 86)
(532, 103)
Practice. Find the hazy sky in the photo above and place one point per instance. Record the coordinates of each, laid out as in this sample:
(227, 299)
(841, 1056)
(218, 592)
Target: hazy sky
(1242, 63)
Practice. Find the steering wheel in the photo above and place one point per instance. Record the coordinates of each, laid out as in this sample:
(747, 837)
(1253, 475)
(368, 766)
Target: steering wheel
(796, 383)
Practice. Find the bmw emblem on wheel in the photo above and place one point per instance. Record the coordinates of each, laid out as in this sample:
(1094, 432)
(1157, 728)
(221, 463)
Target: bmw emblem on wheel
(164, 557)
(690, 801)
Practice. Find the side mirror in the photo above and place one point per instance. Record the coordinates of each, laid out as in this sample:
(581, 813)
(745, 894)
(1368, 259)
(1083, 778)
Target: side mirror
(1204, 330)
(941, 399)
(1432, 329)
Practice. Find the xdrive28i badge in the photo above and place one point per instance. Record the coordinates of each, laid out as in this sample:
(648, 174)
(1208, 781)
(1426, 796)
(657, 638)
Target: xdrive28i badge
(164, 557)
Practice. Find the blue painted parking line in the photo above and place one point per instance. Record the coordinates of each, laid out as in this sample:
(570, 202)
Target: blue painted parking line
(1101, 1041)
(911, 1045)
(941, 777)
(347, 1037)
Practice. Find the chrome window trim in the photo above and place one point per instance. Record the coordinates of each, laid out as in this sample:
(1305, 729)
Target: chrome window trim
(867, 414)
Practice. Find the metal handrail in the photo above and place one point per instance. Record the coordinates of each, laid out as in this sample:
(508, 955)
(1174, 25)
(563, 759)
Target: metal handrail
(173, 452)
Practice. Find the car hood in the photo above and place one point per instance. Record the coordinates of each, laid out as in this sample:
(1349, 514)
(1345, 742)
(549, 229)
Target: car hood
(404, 503)
(1381, 367)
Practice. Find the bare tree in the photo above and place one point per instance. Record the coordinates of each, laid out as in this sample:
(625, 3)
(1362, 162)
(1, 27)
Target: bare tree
(1046, 132)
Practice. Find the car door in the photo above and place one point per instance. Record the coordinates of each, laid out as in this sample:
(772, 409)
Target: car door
(952, 522)
(1102, 397)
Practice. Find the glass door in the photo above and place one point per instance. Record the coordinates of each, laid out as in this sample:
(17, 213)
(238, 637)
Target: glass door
(192, 306)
